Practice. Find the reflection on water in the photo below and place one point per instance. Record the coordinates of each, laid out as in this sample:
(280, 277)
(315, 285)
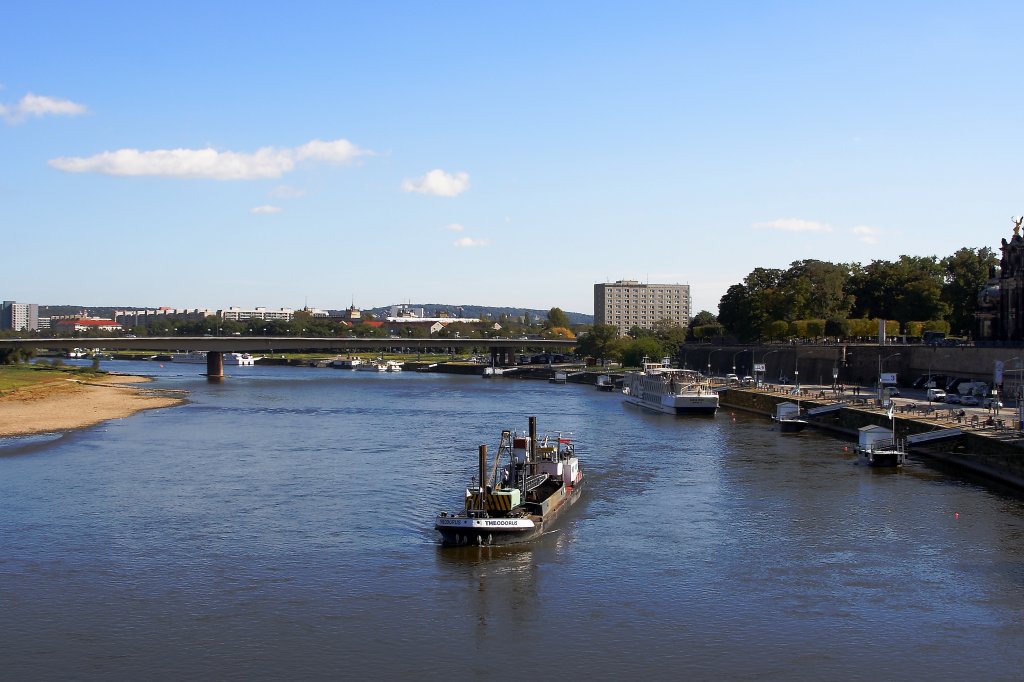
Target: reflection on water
(280, 526)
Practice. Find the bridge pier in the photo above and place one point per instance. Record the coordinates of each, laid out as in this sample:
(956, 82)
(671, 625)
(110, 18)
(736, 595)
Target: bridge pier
(215, 364)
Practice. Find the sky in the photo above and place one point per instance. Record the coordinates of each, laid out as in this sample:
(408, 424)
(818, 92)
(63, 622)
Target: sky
(216, 154)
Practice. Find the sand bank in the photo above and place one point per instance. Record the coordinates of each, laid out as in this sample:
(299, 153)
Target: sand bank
(74, 404)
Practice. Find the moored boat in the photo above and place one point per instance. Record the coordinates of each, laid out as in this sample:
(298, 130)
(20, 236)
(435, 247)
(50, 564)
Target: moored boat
(878, 446)
(789, 417)
(673, 391)
(346, 363)
(539, 482)
(605, 383)
(198, 357)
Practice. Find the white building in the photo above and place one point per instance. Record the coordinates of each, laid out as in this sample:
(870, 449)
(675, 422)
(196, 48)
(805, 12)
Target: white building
(19, 317)
(628, 303)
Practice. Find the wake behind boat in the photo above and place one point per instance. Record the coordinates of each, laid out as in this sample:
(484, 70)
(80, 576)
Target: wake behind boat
(673, 391)
(539, 482)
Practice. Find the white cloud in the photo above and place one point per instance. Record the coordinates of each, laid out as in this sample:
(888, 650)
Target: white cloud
(39, 105)
(287, 192)
(866, 234)
(438, 183)
(793, 225)
(469, 242)
(267, 162)
(266, 208)
(454, 227)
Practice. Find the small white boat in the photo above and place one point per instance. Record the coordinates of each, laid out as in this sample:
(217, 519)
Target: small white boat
(392, 366)
(372, 366)
(878, 446)
(491, 372)
(605, 383)
(789, 418)
(346, 363)
(558, 378)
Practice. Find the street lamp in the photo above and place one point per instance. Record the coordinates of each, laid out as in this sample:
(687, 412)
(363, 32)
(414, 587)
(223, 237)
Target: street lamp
(734, 358)
(796, 370)
(764, 372)
(881, 363)
(709, 359)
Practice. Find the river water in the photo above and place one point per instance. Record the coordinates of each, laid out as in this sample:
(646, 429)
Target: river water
(279, 526)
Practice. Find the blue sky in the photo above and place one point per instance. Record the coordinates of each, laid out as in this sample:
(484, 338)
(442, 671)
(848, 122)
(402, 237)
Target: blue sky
(510, 154)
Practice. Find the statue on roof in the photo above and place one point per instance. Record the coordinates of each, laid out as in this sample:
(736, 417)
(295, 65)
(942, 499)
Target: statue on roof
(1017, 220)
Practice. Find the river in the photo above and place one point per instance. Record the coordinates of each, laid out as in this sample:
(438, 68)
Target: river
(279, 526)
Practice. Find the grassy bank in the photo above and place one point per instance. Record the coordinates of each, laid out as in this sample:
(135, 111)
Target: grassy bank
(22, 377)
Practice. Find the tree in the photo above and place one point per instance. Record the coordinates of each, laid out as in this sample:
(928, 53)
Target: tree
(636, 350)
(967, 273)
(557, 318)
(671, 335)
(702, 318)
(599, 342)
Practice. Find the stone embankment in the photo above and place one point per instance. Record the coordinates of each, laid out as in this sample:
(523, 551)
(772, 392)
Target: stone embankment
(993, 451)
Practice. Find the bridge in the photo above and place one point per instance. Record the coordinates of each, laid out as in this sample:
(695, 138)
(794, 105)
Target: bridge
(502, 350)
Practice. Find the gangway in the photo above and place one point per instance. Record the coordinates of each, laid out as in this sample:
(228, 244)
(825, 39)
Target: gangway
(929, 436)
(825, 409)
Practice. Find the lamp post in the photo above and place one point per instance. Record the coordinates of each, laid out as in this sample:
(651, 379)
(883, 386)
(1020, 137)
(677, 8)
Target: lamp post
(796, 370)
(881, 362)
(764, 372)
(734, 358)
(1017, 393)
(709, 359)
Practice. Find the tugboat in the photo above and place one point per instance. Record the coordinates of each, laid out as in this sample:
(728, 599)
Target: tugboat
(540, 481)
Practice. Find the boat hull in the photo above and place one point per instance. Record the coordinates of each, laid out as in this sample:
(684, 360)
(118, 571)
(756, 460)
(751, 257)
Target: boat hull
(882, 458)
(461, 530)
(697, 405)
(792, 425)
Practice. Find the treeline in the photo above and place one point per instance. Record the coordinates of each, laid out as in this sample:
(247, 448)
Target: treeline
(813, 299)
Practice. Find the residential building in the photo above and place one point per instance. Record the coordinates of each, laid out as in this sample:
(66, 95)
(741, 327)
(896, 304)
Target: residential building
(19, 317)
(628, 303)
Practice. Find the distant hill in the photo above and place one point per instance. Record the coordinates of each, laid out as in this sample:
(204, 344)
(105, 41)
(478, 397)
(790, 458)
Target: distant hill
(493, 312)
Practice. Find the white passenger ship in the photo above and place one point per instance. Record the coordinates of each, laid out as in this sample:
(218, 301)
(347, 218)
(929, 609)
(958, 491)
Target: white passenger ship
(673, 391)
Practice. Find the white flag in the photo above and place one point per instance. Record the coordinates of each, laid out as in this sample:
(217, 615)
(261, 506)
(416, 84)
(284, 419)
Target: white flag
(892, 408)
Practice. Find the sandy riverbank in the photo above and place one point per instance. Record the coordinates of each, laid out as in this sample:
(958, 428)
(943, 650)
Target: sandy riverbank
(74, 404)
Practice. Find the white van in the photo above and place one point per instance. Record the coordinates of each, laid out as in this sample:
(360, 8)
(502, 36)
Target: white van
(936, 395)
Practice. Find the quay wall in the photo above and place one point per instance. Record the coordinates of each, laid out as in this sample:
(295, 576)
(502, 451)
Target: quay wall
(993, 455)
(856, 364)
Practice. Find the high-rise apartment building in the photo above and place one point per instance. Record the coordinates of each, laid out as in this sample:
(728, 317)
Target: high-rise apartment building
(19, 316)
(627, 303)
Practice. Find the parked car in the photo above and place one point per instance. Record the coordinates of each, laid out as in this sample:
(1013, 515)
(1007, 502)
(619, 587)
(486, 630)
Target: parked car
(732, 379)
(953, 398)
(992, 402)
(747, 381)
(969, 400)
(893, 389)
(936, 394)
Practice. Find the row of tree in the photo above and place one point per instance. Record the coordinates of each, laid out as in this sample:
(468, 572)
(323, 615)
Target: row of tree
(928, 290)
